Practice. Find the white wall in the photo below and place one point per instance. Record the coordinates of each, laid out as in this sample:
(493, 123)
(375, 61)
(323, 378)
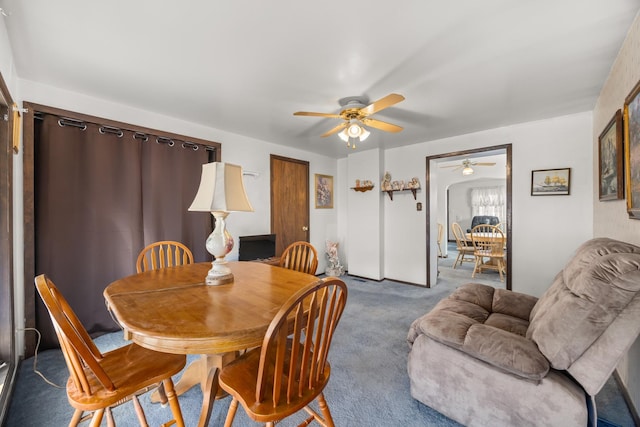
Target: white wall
(365, 217)
(404, 225)
(539, 223)
(610, 218)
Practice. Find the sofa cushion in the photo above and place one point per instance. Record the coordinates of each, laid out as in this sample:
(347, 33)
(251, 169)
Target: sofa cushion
(489, 324)
(585, 297)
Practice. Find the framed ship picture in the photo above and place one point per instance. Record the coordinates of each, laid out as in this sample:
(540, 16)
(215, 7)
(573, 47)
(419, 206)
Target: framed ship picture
(550, 182)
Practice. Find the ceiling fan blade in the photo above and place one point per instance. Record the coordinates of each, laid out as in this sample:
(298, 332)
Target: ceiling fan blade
(306, 113)
(388, 127)
(450, 166)
(381, 104)
(484, 164)
(336, 129)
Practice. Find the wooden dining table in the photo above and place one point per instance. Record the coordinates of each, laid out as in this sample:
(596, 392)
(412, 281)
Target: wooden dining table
(488, 236)
(172, 310)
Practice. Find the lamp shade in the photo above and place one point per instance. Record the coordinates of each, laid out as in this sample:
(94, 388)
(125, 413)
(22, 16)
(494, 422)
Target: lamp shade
(221, 189)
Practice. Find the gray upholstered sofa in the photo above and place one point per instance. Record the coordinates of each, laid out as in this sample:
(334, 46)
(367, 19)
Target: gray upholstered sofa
(491, 357)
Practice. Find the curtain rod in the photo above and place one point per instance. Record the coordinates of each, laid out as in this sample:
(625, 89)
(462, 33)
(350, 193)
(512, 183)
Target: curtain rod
(118, 132)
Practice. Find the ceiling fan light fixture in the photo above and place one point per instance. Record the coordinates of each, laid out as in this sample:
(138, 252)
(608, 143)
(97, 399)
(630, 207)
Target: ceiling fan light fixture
(467, 170)
(364, 134)
(343, 136)
(354, 130)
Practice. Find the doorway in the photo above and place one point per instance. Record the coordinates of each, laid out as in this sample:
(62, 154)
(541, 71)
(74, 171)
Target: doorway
(433, 199)
(289, 201)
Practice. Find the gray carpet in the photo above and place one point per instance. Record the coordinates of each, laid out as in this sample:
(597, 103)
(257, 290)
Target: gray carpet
(368, 386)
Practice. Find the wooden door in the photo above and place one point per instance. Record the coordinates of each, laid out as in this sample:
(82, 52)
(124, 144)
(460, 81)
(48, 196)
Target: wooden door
(289, 201)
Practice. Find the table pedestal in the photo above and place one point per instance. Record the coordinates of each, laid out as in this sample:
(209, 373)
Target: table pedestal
(203, 371)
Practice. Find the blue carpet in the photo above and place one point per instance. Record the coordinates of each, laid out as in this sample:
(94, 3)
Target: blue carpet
(369, 383)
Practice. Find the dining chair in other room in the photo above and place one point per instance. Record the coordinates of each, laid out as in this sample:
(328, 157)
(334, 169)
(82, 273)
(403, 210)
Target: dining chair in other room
(163, 254)
(463, 246)
(100, 381)
(300, 256)
(290, 370)
(489, 243)
(440, 236)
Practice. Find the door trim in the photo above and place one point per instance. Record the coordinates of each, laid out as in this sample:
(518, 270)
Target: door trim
(508, 149)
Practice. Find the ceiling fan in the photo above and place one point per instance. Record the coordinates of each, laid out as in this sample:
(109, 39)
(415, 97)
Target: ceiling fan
(466, 166)
(355, 114)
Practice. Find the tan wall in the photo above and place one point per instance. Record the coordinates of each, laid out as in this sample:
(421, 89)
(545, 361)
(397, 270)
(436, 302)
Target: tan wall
(610, 218)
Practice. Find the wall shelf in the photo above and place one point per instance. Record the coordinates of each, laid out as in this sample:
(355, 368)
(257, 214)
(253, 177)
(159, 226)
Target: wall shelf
(364, 188)
(413, 191)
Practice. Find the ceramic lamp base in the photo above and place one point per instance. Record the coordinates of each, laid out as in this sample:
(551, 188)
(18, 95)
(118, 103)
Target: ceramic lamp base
(219, 274)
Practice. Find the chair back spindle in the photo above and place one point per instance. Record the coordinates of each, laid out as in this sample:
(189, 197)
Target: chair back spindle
(165, 253)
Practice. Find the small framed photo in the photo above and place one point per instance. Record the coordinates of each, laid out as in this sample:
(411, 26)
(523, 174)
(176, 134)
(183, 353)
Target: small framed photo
(632, 150)
(611, 160)
(324, 191)
(550, 182)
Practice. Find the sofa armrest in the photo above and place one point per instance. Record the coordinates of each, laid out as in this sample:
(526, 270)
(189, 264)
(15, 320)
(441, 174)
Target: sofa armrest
(509, 352)
(513, 304)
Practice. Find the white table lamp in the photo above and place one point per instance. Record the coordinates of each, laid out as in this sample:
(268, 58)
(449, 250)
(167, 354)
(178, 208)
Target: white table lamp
(221, 191)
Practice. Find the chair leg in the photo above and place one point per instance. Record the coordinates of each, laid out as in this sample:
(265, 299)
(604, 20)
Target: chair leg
(324, 408)
(475, 267)
(209, 395)
(458, 259)
(75, 419)
(97, 418)
(231, 413)
(139, 411)
(172, 397)
(501, 269)
(110, 421)
(162, 395)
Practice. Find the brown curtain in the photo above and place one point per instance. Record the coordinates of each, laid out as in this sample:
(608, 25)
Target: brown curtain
(99, 199)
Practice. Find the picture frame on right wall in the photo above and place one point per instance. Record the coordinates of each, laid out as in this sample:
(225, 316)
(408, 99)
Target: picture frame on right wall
(611, 160)
(632, 150)
(551, 182)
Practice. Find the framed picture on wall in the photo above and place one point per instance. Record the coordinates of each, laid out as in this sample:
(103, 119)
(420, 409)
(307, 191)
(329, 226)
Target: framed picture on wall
(324, 191)
(550, 182)
(611, 160)
(632, 150)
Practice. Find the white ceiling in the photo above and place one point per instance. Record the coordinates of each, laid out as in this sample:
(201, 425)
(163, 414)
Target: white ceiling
(245, 66)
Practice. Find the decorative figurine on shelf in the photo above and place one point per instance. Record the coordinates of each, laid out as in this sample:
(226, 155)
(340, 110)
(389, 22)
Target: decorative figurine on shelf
(386, 182)
(334, 268)
(414, 183)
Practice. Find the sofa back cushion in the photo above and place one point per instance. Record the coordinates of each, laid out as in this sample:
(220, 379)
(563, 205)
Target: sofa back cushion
(584, 299)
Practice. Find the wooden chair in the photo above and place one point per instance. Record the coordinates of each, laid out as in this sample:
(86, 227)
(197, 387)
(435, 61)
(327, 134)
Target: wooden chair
(489, 243)
(290, 370)
(163, 254)
(99, 381)
(300, 256)
(463, 246)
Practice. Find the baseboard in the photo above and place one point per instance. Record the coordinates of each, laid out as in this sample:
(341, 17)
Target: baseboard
(627, 398)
